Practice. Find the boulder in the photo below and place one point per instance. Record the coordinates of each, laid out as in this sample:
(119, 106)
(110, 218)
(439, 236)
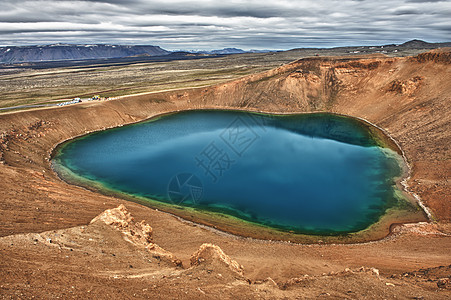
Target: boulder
(209, 254)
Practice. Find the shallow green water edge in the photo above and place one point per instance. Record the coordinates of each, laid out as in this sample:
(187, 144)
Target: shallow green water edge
(401, 208)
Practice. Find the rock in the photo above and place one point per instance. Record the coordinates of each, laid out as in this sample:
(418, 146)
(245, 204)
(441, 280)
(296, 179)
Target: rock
(121, 219)
(118, 217)
(269, 281)
(212, 254)
(375, 271)
(442, 283)
(139, 234)
(389, 284)
(405, 87)
(436, 55)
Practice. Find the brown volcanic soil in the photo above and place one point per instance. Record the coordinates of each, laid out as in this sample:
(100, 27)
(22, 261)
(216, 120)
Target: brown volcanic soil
(407, 97)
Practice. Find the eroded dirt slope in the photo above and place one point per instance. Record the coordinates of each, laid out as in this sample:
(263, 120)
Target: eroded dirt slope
(115, 256)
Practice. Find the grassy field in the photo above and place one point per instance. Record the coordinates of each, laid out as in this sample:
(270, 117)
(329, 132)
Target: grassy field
(24, 86)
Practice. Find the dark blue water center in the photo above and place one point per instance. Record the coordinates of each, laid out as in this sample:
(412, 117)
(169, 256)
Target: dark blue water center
(315, 173)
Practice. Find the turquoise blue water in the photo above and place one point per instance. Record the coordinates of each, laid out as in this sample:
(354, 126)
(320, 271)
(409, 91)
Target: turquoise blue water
(314, 174)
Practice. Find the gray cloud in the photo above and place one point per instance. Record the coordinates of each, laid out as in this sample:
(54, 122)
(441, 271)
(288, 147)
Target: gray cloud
(207, 24)
(425, 1)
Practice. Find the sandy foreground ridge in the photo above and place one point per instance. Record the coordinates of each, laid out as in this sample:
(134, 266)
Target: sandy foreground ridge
(60, 240)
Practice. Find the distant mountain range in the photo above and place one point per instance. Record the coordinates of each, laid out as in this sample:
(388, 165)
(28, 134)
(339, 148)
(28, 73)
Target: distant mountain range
(17, 54)
(63, 52)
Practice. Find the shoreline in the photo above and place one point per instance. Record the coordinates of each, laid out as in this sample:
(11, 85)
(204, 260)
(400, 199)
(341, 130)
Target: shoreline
(386, 221)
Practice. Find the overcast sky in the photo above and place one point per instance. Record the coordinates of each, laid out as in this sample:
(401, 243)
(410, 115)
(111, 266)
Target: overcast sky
(215, 24)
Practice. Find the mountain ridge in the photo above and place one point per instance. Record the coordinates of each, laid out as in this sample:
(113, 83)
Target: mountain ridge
(74, 52)
(55, 52)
